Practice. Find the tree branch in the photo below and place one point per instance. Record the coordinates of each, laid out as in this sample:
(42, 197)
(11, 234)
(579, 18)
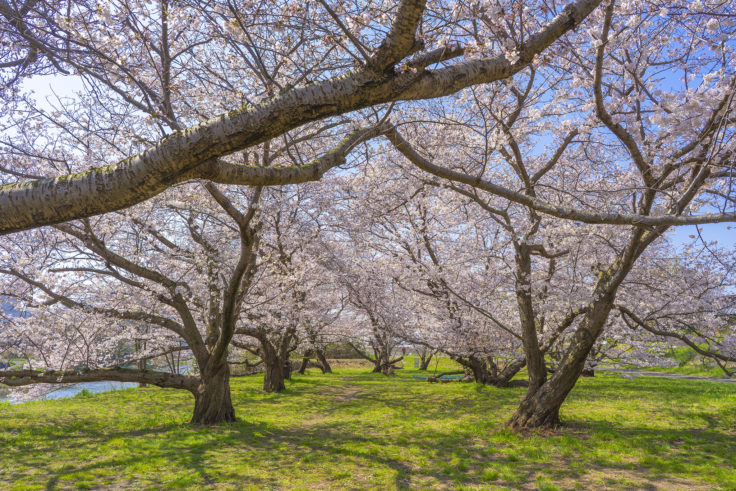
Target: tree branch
(545, 207)
(191, 153)
(18, 378)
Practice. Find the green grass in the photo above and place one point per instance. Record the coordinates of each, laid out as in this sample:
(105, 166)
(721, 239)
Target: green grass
(689, 363)
(358, 430)
(697, 369)
(437, 364)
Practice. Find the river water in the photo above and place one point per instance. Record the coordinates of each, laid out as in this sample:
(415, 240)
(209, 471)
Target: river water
(93, 387)
(74, 389)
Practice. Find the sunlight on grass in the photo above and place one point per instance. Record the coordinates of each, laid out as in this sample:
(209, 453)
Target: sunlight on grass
(353, 429)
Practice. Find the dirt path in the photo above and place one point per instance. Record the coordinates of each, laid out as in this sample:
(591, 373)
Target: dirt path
(627, 373)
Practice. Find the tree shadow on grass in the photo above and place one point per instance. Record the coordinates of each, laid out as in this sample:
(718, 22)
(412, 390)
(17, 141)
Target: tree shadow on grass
(281, 450)
(398, 435)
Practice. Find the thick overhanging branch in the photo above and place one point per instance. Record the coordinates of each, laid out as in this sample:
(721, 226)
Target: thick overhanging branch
(401, 40)
(360, 352)
(545, 207)
(192, 153)
(223, 172)
(18, 378)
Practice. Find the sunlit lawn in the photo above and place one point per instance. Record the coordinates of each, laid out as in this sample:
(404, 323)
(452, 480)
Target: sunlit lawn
(358, 430)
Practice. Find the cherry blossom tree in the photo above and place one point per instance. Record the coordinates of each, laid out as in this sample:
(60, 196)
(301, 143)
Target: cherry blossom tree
(167, 273)
(508, 172)
(188, 84)
(370, 326)
(293, 302)
(425, 248)
(646, 150)
(683, 299)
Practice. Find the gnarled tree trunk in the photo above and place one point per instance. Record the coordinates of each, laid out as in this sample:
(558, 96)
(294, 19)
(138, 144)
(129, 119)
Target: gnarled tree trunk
(541, 405)
(212, 402)
(426, 358)
(326, 368)
(276, 371)
(485, 371)
(383, 362)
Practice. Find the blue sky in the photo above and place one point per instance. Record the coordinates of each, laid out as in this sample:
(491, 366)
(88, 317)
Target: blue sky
(711, 232)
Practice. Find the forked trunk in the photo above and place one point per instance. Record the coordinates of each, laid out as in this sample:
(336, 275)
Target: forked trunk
(326, 368)
(425, 360)
(212, 402)
(486, 373)
(541, 406)
(384, 364)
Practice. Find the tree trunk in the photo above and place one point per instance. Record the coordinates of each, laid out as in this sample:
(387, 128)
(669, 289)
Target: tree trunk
(141, 363)
(384, 364)
(541, 406)
(274, 373)
(305, 361)
(303, 366)
(212, 403)
(426, 359)
(485, 372)
(532, 353)
(326, 368)
(480, 372)
(381, 361)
